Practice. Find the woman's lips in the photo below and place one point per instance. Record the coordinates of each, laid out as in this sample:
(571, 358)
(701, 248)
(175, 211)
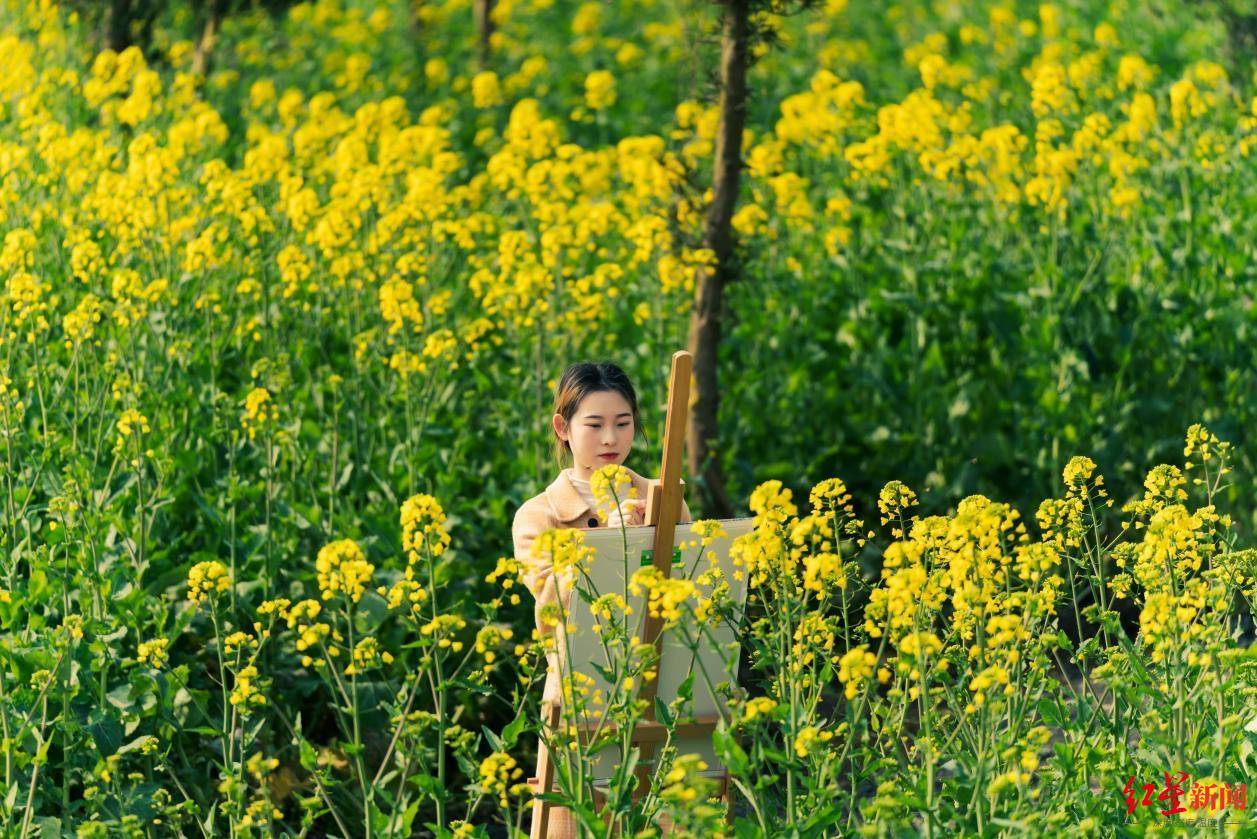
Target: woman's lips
(607, 456)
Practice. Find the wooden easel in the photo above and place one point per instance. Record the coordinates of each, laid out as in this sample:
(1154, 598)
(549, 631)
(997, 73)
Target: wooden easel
(663, 509)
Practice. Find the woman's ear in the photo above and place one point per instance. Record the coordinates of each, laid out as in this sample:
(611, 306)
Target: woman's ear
(559, 425)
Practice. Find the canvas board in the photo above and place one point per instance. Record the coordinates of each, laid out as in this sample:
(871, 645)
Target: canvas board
(609, 572)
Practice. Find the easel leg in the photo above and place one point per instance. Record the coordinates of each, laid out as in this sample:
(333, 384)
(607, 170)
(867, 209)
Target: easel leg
(545, 773)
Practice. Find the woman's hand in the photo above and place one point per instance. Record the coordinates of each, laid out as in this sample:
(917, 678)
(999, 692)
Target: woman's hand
(632, 511)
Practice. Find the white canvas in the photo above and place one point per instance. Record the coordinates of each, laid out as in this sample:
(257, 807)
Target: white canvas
(608, 574)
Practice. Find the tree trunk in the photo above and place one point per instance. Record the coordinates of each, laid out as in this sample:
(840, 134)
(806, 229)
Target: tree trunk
(1241, 29)
(484, 29)
(203, 58)
(118, 27)
(705, 321)
(147, 19)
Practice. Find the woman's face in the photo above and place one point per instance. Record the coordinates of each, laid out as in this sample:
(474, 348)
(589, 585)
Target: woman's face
(602, 425)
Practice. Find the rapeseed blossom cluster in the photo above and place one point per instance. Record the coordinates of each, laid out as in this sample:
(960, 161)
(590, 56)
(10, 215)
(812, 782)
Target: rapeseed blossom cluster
(247, 692)
(894, 502)
(497, 771)
(409, 593)
(855, 668)
(489, 637)
(238, 641)
(666, 595)
(611, 485)
(310, 632)
(206, 579)
(812, 643)
(154, 652)
(805, 742)
(342, 567)
(600, 91)
(260, 411)
(758, 707)
(684, 783)
(760, 555)
(906, 587)
(823, 572)
(443, 631)
(367, 653)
(771, 503)
(1202, 442)
(423, 530)
(566, 551)
(132, 421)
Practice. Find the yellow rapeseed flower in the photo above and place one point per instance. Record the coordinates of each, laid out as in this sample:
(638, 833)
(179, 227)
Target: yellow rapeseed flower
(855, 668)
(153, 652)
(246, 692)
(342, 567)
(497, 771)
(206, 579)
(599, 90)
(259, 411)
(423, 530)
(760, 706)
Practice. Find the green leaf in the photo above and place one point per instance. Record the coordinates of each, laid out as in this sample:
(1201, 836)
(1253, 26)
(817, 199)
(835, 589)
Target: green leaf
(1065, 755)
(107, 735)
(41, 753)
(430, 785)
(379, 819)
(1050, 713)
(827, 816)
(309, 758)
(685, 692)
(663, 713)
(512, 731)
(206, 730)
(729, 752)
(408, 817)
(120, 697)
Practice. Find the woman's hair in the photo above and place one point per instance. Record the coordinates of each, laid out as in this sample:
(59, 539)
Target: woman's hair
(586, 377)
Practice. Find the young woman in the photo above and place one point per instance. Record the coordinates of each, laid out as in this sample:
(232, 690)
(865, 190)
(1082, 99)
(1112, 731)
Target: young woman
(595, 421)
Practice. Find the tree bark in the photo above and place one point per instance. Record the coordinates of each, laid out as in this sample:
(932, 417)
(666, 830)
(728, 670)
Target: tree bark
(118, 27)
(1241, 30)
(705, 319)
(203, 58)
(484, 30)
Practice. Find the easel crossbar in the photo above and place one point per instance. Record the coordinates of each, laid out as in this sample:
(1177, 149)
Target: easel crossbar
(650, 731)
